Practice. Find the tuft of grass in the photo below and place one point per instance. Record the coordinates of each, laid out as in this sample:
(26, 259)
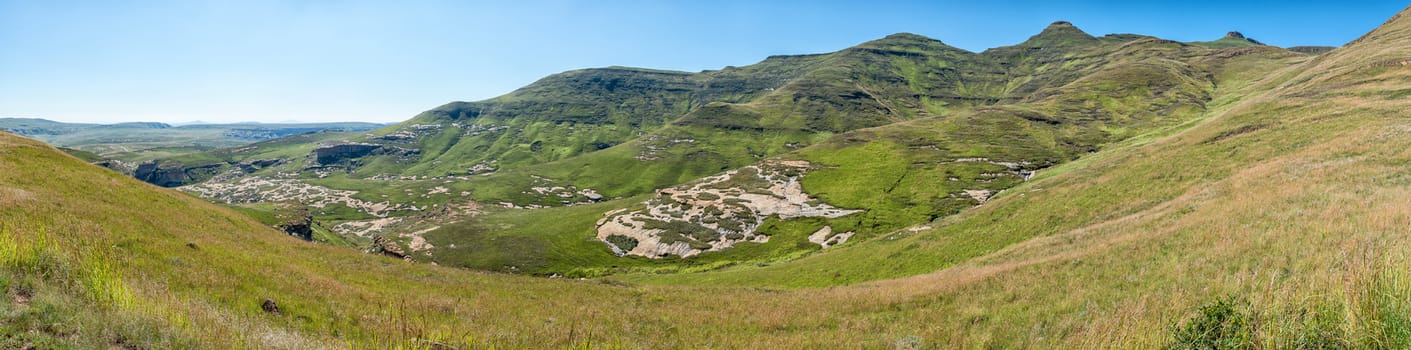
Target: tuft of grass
(102, 280)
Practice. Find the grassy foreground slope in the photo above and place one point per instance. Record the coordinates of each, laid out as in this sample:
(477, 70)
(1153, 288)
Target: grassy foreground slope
(91, 259)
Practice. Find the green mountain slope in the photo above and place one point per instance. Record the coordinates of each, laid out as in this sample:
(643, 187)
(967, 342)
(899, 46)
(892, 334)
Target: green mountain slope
(883, 122)
(910, 173)
(1280, 209)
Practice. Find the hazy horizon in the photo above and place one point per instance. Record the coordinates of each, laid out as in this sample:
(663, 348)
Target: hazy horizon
(313, 61)
(197, 122)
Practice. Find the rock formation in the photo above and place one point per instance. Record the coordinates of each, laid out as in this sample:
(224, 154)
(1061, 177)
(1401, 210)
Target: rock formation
(342, 154)
(387, 247)
(173, 173)
(165, 174)
(331, 154)
(302, 228)
(252, 165)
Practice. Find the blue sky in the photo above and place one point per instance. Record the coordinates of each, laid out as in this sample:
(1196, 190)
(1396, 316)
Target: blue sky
(261, 60)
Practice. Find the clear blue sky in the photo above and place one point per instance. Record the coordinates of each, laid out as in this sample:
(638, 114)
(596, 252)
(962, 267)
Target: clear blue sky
(260, 60)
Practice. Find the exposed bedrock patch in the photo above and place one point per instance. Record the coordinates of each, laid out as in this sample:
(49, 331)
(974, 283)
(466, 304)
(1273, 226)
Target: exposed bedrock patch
(255, 189)
(303, 228)
(715, 213)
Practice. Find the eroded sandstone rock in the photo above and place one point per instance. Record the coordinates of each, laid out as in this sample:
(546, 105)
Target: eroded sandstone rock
(331, 154)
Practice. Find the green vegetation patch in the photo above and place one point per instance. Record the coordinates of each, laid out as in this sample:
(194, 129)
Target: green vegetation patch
(622, 242)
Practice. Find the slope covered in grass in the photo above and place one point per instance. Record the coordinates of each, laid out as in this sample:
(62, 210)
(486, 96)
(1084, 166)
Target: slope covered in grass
(93, 259)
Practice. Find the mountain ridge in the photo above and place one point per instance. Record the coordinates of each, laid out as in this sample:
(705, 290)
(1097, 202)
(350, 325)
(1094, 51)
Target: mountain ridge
(999, 116)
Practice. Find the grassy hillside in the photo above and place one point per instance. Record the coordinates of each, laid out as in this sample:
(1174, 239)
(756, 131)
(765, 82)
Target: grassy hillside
(93, 259)
(910, 173)
(1272, 217)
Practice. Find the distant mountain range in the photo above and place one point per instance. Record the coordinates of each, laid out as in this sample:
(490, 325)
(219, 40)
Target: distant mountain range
(146, 140)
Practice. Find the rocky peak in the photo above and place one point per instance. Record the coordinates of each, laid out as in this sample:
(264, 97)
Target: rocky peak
(1060, 34)
(1234, 36)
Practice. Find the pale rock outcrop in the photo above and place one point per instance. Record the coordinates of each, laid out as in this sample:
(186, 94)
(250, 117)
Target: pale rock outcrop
(716, 212)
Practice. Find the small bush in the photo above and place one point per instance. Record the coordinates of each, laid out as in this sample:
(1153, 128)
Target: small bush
(713, 211)
(731, 225)
(684, 229)
(1222, 324)
(746, 179)
(622, 242)
(1320, 328)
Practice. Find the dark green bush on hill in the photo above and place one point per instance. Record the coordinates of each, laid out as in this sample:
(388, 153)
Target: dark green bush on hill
(1226, 323)
(622, 242)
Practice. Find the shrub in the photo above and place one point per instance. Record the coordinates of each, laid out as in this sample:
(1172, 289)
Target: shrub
(622, 242)
(731, 225)
(684, 229)
(1320, 328)
(1222, 324)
